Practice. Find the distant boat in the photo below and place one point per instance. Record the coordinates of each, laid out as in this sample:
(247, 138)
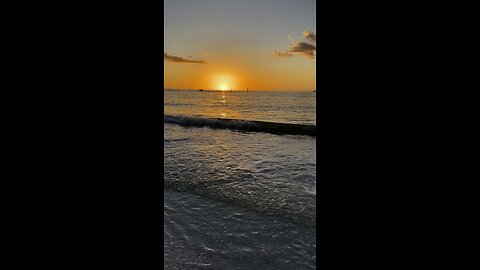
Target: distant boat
(201, 90)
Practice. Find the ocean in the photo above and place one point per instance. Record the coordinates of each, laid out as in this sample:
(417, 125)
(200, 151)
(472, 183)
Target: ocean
(239, 180)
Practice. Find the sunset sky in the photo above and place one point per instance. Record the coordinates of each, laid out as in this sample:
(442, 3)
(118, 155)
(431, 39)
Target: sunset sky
(235, 44)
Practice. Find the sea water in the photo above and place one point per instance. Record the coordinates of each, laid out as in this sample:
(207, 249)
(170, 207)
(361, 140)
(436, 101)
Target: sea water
(237, 198)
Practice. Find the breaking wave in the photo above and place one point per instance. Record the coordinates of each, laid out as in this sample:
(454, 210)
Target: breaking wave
(242, 125)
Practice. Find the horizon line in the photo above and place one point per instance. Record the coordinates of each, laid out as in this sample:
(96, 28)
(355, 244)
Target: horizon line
(237, 90)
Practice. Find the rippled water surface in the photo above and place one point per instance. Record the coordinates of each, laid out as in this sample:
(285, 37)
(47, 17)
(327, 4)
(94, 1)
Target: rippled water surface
(236, 199)
(202, 233)
(281, 107)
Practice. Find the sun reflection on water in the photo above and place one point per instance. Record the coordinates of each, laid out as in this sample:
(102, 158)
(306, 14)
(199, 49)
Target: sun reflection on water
(262, 106)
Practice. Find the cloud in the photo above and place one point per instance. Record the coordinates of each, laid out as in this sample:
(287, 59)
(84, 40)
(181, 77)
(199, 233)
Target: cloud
(282, 54)
(310, 36)
(304, 48)
(176, 59)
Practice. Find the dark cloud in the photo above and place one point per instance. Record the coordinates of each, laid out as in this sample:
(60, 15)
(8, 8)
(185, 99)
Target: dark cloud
(300, 47)
(282, 54)
(310, 36)
(303, 48)
(176, 59)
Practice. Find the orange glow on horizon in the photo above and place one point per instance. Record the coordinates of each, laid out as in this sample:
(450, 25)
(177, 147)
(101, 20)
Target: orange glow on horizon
(263, 75)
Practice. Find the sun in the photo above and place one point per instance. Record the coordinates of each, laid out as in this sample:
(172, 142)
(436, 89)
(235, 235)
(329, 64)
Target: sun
(223, 82)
